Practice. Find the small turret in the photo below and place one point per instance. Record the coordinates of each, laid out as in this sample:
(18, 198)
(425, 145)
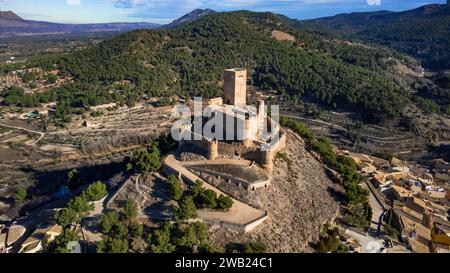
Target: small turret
(213, 149)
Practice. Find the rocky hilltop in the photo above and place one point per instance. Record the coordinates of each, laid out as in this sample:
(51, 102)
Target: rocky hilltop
(300, 201)
(9, 15)
(190, 17)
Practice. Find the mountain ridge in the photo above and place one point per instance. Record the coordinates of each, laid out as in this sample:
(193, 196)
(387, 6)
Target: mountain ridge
(11, 24)
(9, 15)
(192, 16)
(418, 32)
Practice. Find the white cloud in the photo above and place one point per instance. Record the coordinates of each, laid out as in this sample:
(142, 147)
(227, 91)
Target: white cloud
(73, 2)
(374, 2)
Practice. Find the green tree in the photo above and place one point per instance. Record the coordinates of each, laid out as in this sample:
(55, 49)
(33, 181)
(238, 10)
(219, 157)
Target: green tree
(356, 194)
(328, 241)
(74, 179)
(52, 78)
(148, 160)
(224, 202)
(192, 236)
(95, 191)
(209, 199)
(59, 245)
(187, 209)
(197, 189)
(113, 245)
(80, 205)
(160, 242)
(66, 217)
(137, 229)
(119, 230)
(207, 249)
(175, 187)
(254, 247)
(21, 195)
(130, 210)
(359, 215)
(109, 220)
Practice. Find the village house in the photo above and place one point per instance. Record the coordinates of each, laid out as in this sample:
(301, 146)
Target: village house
(35, 243)
(14, 234)
(366, 168)
(414, 224)
(2, 240)
(441, 237)
(401, 194)
(441, 171)
(435, 193)
(381, 164)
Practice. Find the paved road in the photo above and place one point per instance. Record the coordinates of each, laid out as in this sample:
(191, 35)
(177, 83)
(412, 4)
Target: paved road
(368, 243)
(378, 213)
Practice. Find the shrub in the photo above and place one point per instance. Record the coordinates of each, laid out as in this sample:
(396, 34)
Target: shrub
(66, 217)
(187, 209)
(175, 187)
(95, 191)
(254, 247)
(224, 202)
(147, 160)
(21, 195)
(59, 245)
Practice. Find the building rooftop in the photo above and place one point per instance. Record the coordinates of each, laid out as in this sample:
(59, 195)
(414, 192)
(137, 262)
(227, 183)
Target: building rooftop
(235, 69)
(33, 247)
(402, 192)
(14, 234)
(2, 239)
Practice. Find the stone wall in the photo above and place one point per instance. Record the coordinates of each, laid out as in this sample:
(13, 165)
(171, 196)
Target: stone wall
(240, 228)
(235, 87)
(208, 174)
(212, 149)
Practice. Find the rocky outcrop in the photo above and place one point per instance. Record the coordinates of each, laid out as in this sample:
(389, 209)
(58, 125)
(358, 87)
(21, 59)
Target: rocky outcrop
(300, 200)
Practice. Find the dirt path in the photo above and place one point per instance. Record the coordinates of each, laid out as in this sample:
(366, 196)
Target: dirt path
(41, 134)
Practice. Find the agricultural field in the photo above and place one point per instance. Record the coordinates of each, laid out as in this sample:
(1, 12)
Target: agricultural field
(28, 151)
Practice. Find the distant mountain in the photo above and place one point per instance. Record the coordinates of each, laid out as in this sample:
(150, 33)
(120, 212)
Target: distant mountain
(421, 32)
(11, 24)
(190, 17)
(9, 15)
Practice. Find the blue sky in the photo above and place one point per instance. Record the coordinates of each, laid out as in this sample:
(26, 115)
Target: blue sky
(164, 11)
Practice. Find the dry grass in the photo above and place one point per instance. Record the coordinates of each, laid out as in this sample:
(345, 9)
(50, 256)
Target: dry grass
(282, 36)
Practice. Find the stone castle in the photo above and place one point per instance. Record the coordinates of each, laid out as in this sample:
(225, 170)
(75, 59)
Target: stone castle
(249, 139)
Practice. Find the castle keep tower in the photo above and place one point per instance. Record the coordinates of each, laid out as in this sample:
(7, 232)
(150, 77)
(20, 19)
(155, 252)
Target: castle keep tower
(235, 87)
